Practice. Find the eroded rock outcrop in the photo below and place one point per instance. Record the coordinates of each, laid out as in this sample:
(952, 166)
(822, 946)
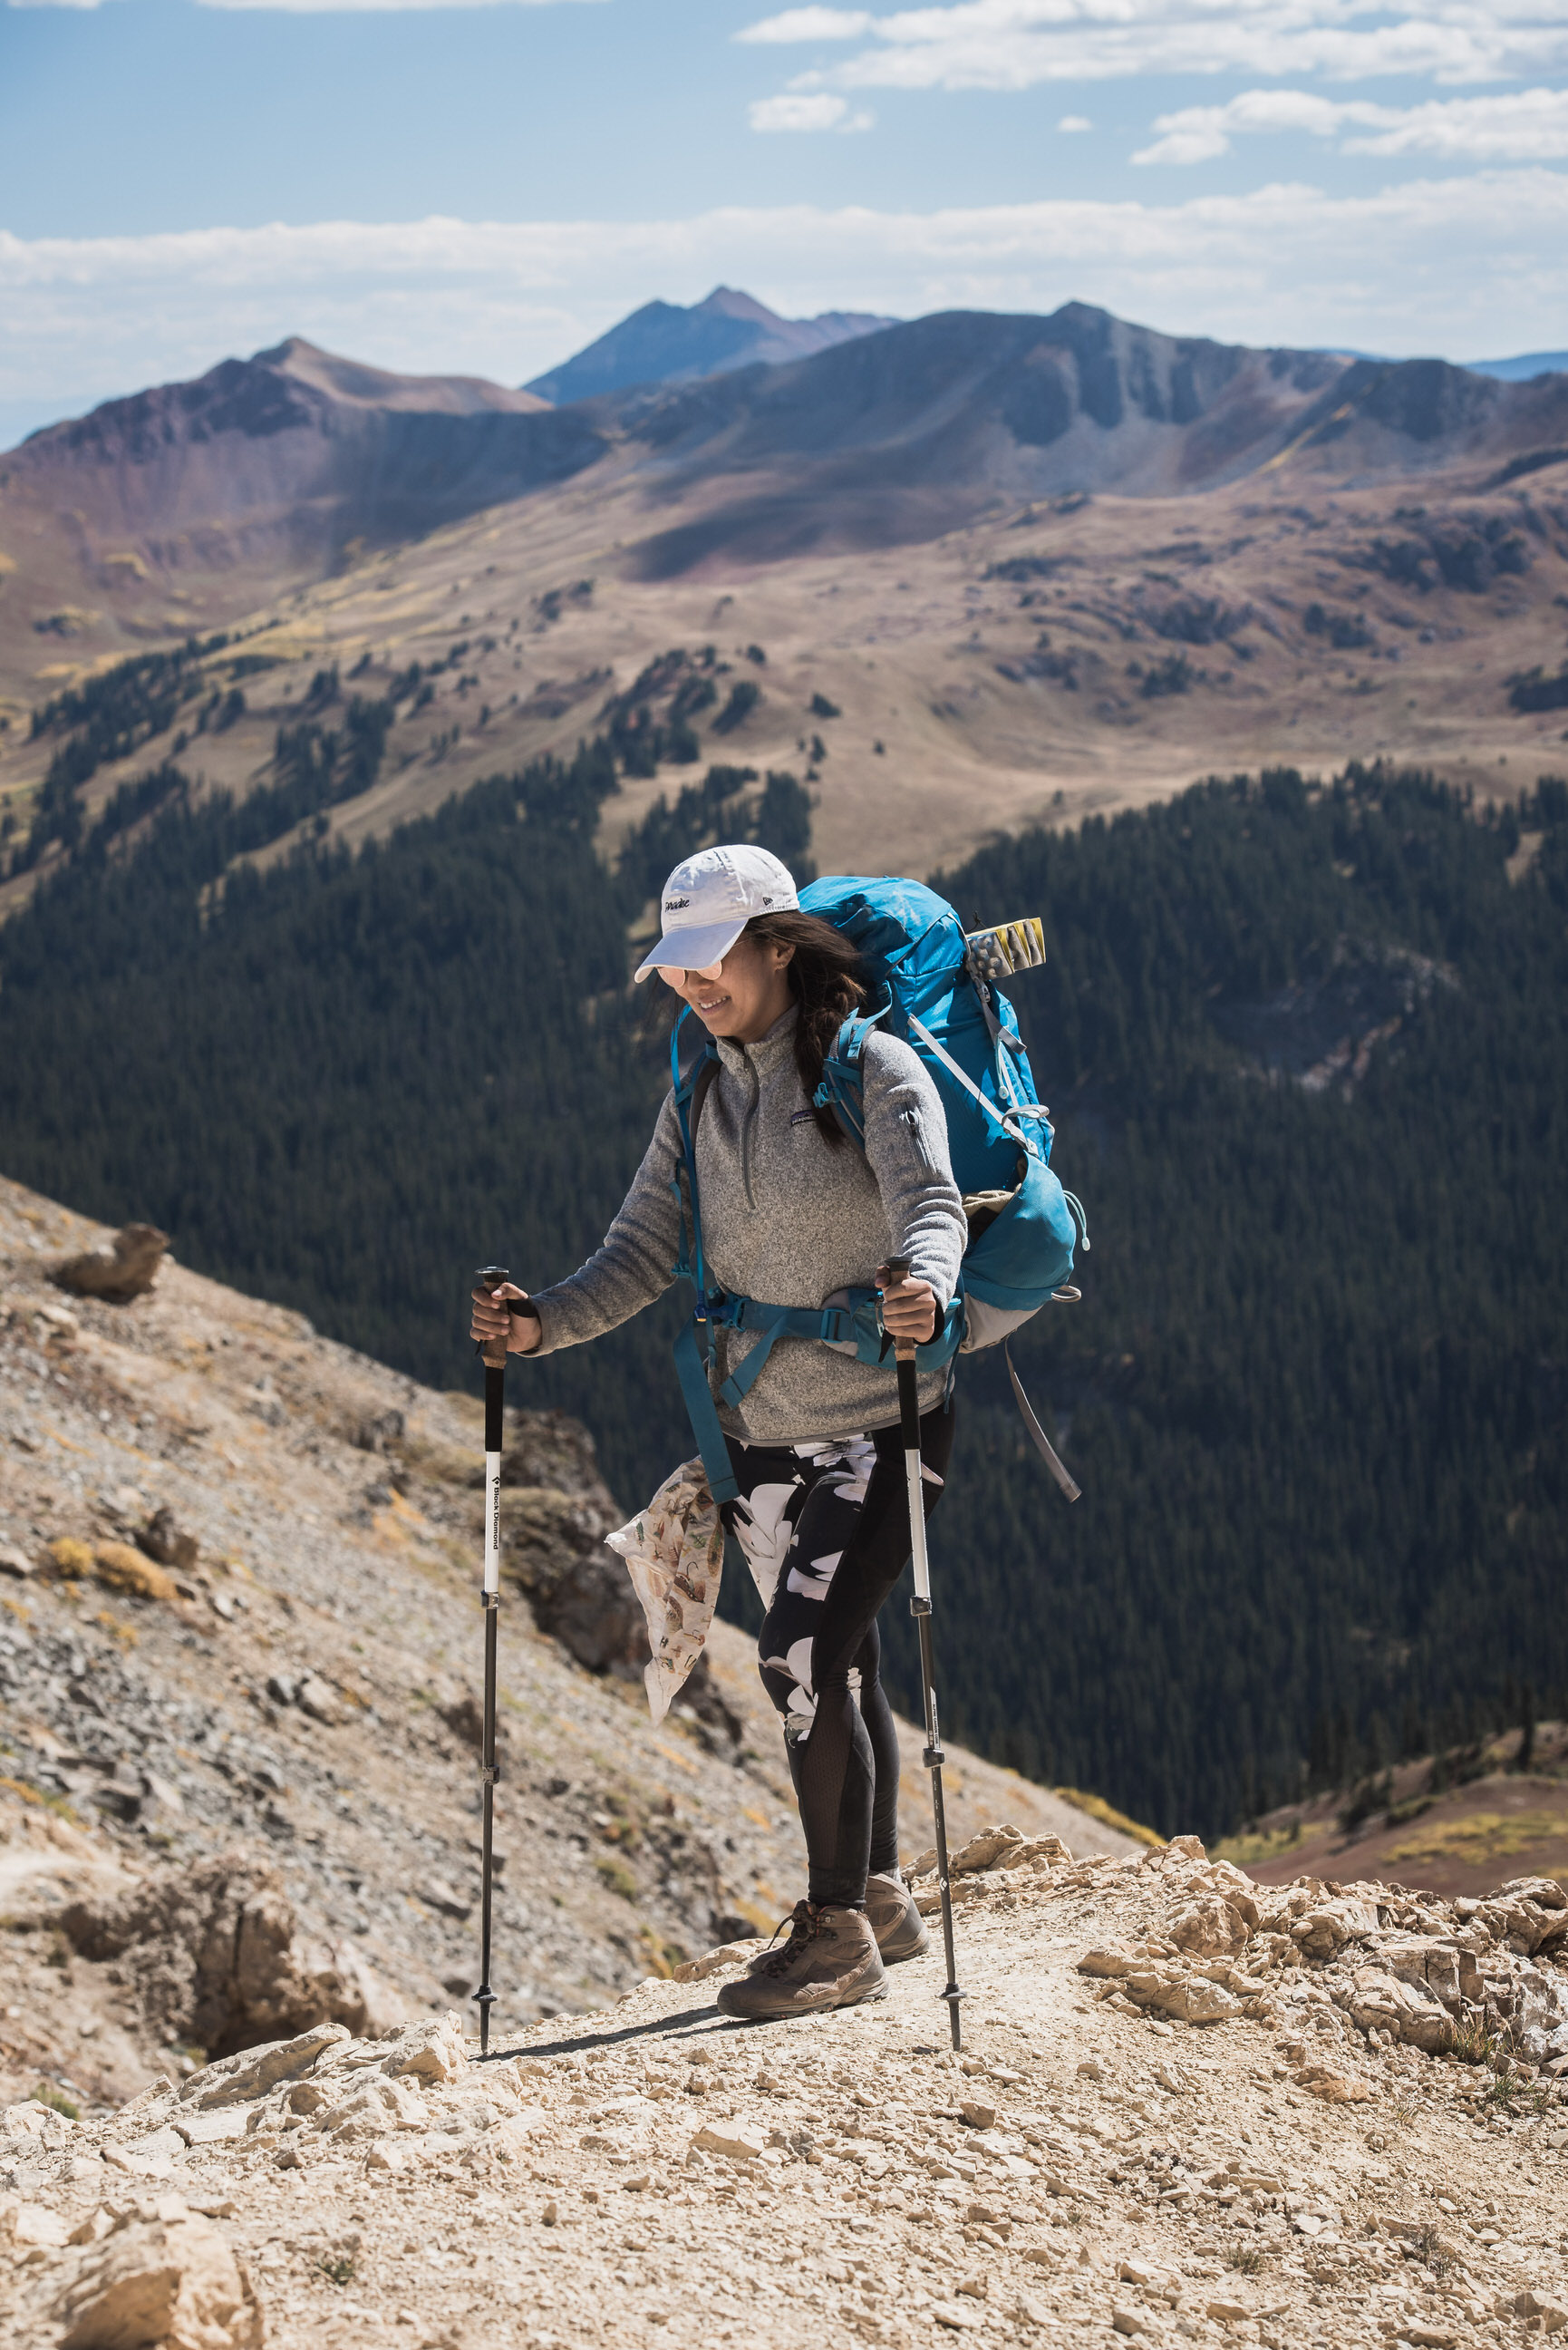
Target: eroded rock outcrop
(219, 1955)
(123, 1268)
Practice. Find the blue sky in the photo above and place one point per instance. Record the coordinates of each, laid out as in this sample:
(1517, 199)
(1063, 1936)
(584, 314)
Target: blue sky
(483, 187)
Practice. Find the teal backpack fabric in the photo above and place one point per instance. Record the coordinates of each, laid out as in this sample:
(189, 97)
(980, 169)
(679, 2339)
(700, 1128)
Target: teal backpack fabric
(926, 985)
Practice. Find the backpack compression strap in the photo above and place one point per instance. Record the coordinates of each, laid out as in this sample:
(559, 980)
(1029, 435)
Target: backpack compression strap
(694, 1346)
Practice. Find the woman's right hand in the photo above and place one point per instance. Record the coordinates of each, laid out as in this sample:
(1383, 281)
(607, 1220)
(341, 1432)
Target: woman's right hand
(491, 1320)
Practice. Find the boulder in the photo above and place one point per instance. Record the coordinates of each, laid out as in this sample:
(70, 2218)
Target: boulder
(549, 1448)
(1379, 2000)
(1522, 1921)
(1112, 1962)
(987, 1848)
(166, 1543)
(1212, 1927)
(126, 1267)
(319, 1700)
(552, 1548)
(171, 2279)
(1325, 1928)
(1193, 1999)
(1437, 1966)
(253, 2073)
(372, 2111)
(219, 1955)
(430, 2051)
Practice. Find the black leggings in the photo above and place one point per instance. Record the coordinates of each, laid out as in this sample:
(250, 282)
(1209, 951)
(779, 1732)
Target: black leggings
(825, 1531)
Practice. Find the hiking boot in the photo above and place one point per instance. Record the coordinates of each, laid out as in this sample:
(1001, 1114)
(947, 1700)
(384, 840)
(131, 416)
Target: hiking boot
(830, 1961)
(900, 1929)
(799, 1923)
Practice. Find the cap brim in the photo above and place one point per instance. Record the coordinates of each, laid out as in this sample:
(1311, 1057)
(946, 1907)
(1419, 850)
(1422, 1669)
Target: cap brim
(697, 948)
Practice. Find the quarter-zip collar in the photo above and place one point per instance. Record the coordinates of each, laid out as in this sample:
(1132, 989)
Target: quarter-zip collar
(753, 1067)
(767, 1054)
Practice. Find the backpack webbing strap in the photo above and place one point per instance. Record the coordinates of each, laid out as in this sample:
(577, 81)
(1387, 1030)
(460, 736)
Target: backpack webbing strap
(1006, 1119)
(692, 1371)
(1048, 1451)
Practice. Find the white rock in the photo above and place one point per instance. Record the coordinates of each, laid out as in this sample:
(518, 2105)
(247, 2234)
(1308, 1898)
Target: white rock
(33, 2223)
(430, 2051)
(714, 1962)
(371, 2110)
(237, 2080)
(171, 2280)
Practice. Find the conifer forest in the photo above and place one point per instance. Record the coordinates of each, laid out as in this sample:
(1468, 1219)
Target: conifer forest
(1305, 1043)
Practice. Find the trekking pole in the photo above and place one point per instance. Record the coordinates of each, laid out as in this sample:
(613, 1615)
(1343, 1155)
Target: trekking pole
(494, 1350)
(896, 1269)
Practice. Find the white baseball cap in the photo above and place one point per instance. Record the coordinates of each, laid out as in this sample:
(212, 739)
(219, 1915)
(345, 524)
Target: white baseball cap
(708, 901)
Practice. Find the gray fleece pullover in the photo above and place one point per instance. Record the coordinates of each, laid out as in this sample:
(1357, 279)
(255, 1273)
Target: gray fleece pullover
(787, 1219)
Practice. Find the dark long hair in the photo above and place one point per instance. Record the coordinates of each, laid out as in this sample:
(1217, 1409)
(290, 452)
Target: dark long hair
(825, 982)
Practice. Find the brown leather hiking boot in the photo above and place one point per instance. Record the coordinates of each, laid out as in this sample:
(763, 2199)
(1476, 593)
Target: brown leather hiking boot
(798, 1921)
(900, 1929)
(830, 1961)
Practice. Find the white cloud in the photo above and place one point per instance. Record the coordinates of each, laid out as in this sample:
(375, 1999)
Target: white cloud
(801, 112)
(1470, 264)
(1524, 126)
(1074, 122)
(1018, 44)
(810, 25)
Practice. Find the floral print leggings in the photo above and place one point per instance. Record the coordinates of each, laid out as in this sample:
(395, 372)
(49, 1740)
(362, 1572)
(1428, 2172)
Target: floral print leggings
(825, 1529)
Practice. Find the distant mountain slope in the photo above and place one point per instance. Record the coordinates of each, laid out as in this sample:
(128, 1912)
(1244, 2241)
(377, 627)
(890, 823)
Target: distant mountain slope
(924, 427)
(269, 466)
(192, 505)
(663, 343)
(1524, 369)
(358, 386)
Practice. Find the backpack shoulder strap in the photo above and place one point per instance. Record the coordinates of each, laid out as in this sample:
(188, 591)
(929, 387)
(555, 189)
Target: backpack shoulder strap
(843, 1086)
(689, 1086)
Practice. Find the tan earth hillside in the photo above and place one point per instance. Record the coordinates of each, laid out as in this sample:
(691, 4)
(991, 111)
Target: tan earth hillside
(239, 1655)
(1455, 1821)
(1021, 659)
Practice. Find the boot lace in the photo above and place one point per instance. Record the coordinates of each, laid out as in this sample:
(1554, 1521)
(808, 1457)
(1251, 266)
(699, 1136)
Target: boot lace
(804, 1923)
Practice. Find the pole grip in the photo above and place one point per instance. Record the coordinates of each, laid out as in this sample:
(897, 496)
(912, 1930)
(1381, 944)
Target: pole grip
(493, 1351)
(898, 1268)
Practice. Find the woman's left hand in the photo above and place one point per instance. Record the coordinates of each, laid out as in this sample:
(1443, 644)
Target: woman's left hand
(909, 1309)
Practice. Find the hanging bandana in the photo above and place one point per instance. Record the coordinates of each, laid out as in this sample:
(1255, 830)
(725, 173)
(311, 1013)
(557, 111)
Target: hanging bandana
(674, 1554)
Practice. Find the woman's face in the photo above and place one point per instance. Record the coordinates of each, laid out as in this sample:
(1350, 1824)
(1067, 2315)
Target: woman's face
(742, 996)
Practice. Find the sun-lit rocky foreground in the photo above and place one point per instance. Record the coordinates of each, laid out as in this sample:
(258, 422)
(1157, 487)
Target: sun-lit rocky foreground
(237, 1879)
(1300, 2167)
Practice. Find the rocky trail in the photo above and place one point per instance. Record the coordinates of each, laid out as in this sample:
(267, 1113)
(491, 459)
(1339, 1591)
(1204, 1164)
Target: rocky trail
(1293, 2169)
(236, 1665)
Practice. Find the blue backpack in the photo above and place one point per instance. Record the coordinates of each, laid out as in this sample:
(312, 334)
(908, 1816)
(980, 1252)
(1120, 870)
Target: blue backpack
(932, 985)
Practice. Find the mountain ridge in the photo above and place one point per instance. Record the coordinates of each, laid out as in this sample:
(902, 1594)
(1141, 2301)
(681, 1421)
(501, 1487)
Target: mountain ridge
(664, 342)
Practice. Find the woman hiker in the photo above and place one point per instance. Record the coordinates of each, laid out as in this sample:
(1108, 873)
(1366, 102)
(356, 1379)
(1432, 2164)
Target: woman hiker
(792, 1212)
